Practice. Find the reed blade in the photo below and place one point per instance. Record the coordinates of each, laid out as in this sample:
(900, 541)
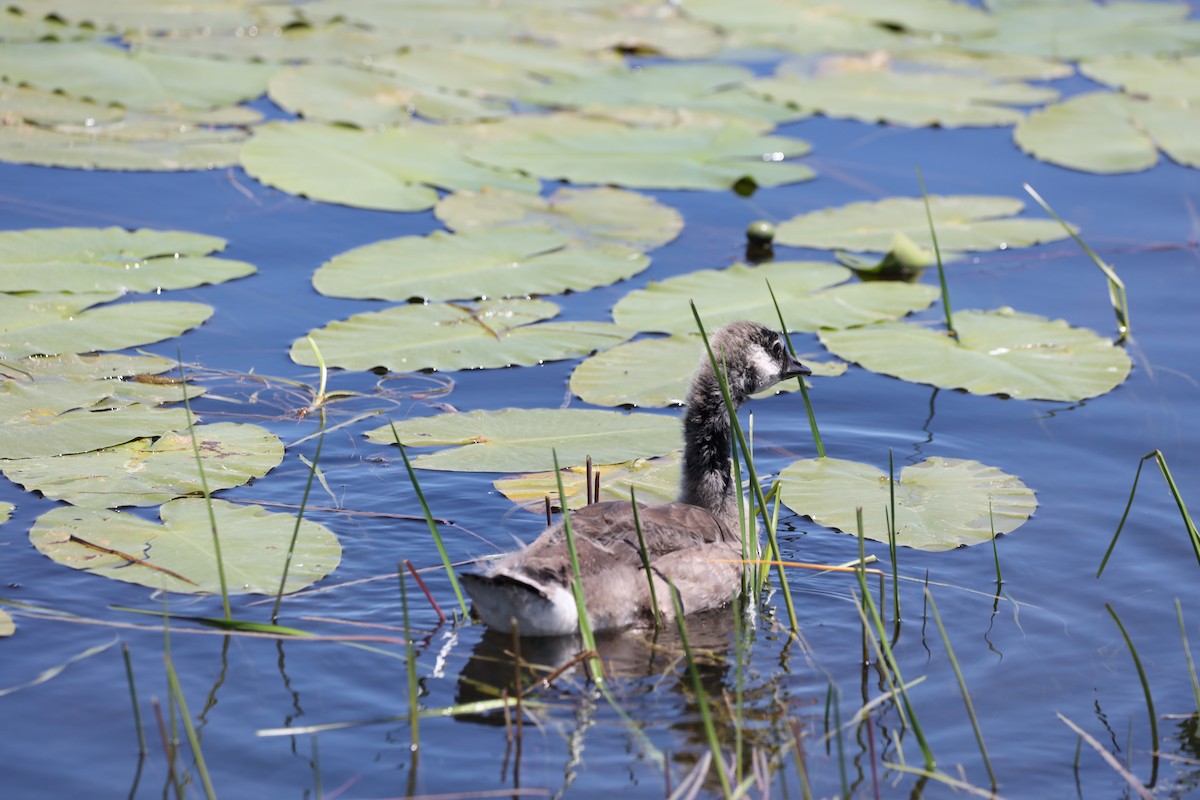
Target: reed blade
(937, 251)
(812, 418)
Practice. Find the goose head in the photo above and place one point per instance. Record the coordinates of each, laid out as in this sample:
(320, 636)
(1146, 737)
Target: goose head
(755, 358)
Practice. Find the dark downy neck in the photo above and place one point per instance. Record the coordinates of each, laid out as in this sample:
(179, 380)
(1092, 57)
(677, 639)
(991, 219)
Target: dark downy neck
(707, 437)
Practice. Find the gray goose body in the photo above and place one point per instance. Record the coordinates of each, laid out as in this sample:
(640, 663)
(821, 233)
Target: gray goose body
(695, 542)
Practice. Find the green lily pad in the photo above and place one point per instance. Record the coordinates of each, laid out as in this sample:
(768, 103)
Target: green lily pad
(661, 30)
(795, 26)
(999, 66)
(147, 472)
(963, 223)
(998, 352)
(906, 98)
(48, 108)
(602, 214)
(293, 44)
(452, 336)
(151, 143)
(6, 510)
(803, 288)
(656, 480)
(1076, 29)
(654, 373)
(370, 98)
(493, 262)
(496, 67)
(145, 81)
(1112, 133)
(111, 259)
(670, 158)
(178, 555)
(51, 418)
(7, 626)
(521, 439)
(1149, 76)
(51, 324)
(102, 366)
(713, 88)
(393, 170)
(941, 503)
(158, 16)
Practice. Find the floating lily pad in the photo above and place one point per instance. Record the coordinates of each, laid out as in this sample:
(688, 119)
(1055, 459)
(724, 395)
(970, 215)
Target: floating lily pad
(1075, 29)
(145, 81)
(103, 366)
(147, 472)
(998, 352)
(160, 143)
(803, 288)
(48, 108)
(906, 98)
(50, 324)
(447, 337)
(492, 262)
(370, 98)
(963, 223)
(601, 214)
(393, 170)
(941, 503)
(6, 510)
(1000, 66)
(654, 373)
(178, 554)
(50, 418)
(7, 626)
(293, 44)
(158, 16)
(632, 28)
(1111, 133)
(795, 26)
(652, 157)
(713, 88)
(656, 480)
(111, 259)
(1150, 76)
(521, 439)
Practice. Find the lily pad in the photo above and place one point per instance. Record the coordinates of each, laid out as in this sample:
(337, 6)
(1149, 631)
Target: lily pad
(178, 555)
(50, 324)
(1076, 29)
(963, 223)
(906, 98)
(145, 81)
(158, 16)
(370, 98)
(795, 26)
(1000, 66)
(147, 472)
(998, 352)
(157, 143)
(293, 44)
(1149, 76)
(941, 503)
(740, 292)
(7, 626)
(447, 337)
(6, 510)
(48, 108)
(393, 170)
(103, 366)
(654, 373)
(1112, 133)
(602, 214)
(713, 88)
(111, 259)
(656, 480)
(51, 418)
(659, 158)
(492, 262)
(631, 28)
(521, 439)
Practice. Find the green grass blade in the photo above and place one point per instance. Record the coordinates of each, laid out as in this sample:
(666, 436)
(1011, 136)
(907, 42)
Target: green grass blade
(710, 731)
(962, 687)
(812, 418)
(137, 711)
(1137, 662)
(1116, 287)
(637, 525)
(193, 738)
(433, 529)
(1193, 536)
(287, 564)
(892, 539)
(756, 487)
(1187, 652)
(937, 252)
(212, 518)
(410, 663)
(585, 623)
(1133, 782)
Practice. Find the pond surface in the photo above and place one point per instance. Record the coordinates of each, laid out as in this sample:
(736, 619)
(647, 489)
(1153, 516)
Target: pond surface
(1046, 644)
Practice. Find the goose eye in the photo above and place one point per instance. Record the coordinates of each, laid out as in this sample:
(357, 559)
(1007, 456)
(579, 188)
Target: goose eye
(777, 349)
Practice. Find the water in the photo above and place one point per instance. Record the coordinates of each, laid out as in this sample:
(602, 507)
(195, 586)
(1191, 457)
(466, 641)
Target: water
(1047, 645)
